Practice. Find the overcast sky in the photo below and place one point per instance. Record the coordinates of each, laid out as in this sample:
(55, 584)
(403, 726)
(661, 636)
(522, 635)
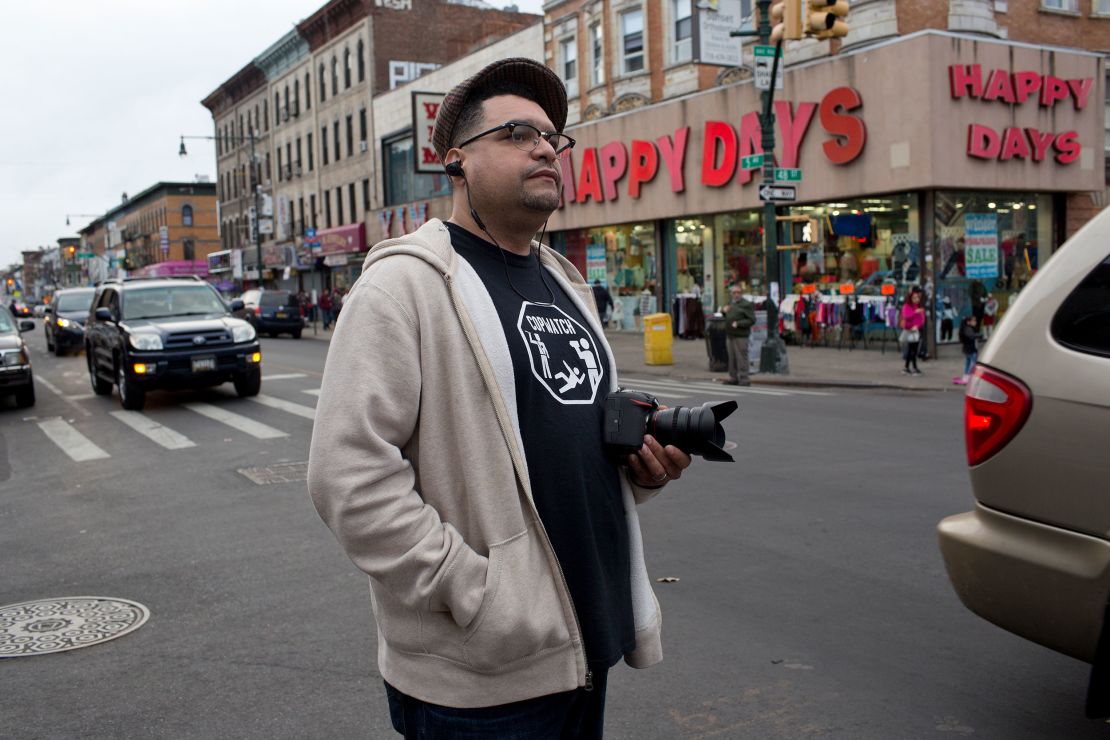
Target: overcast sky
(99, 92)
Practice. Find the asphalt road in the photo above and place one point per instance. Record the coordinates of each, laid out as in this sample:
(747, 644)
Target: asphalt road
(811, 600)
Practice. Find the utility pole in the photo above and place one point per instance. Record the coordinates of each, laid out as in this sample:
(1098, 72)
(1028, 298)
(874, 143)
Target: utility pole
(773, 358)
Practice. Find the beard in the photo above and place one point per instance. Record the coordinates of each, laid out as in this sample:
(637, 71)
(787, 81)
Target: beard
(544, 202)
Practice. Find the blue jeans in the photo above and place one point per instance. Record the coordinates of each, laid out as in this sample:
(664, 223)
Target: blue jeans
(571, 715)
(969, 362)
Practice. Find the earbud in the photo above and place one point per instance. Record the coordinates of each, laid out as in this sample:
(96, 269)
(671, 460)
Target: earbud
(454, 169)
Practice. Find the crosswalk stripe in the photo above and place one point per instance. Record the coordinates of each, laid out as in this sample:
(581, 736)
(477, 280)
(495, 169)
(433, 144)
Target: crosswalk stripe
(293, 408)
(72, 442)
(712, 388)
(236, 421)
(283, 376)
(731, 392)
(154, 431)
(312, 392)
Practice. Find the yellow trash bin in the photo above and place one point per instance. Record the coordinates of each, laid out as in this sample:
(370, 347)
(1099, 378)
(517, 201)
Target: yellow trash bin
(658, 339)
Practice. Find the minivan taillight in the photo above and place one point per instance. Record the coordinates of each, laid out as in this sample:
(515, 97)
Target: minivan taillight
(258, 310)
(995, 408)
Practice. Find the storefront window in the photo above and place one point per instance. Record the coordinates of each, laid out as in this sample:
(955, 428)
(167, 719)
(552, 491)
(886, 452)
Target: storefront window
(740, 257)
(693, 259)
(989, 245)
(623, 258)
(402, 184)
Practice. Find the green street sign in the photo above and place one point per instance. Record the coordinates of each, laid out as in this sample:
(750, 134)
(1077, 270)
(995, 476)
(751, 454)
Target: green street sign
(764, 51)
(85, 255)
(751, 162)
(787, 174)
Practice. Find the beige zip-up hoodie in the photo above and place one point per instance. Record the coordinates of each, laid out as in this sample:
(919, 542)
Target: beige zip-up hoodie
(418, 468)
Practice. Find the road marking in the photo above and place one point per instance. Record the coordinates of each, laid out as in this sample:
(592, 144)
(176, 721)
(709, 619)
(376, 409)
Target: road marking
(81, 397)
(70, 441)
(312, 392)
(235, 421)
(729, 391)
(288, 406)
(49, 386)
(283, 376)
(154, 431)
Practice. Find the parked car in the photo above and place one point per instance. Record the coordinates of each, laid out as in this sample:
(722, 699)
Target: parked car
(1033, 556)
(273, 312)
(167, 333)
(20, 310)
(15, 362)
(64, 321)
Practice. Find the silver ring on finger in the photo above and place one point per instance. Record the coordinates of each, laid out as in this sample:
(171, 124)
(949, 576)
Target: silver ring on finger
(659, 478)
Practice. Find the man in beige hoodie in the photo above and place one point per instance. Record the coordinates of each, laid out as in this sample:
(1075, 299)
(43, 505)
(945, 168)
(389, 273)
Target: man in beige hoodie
(457, 453)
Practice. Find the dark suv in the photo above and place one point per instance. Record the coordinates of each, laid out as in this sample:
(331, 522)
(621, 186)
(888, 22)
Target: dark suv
(64, 319)
(167, 333)
(273, 312)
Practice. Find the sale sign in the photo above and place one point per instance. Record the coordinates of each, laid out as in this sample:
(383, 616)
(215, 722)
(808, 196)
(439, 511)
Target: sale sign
(425, 106)
(981, 243)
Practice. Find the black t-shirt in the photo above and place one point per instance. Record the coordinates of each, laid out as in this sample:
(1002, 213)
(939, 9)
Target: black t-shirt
(561, 383)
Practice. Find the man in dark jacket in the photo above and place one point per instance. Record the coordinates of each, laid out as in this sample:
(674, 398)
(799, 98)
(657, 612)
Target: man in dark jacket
(739, 320)
(603, 299)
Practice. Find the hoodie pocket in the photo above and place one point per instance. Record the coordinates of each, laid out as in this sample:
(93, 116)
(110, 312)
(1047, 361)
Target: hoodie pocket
(521, 614)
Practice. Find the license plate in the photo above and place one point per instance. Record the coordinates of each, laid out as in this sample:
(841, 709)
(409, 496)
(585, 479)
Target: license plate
(203, 364)
(281, 314)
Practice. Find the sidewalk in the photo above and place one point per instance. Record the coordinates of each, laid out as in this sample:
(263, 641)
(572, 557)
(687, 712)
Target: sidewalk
(809, 366)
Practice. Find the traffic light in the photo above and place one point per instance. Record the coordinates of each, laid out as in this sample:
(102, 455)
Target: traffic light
(786, 15)
(825, 18)
(70, 251)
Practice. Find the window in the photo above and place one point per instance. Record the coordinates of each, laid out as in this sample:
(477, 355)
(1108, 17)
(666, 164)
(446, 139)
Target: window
(188, 247)
(1082, 322)
(1069, 5)
(286, 111)
(289, 156)
(265, 116)
(323, 84)
(327, 209)
(281, 171)
(350, 136)
(351, 202)
(277, 109)
(1101, 7)
(597, 55)
(346, 68)
(568, 64)
(366, 194)
(269, 172)
(307, 91)
(299, 161)
(310, 152)
(683, 30)
(312, 208)
(334, 76)
(335, 140)
(402, 185)
(296, 97)
(361, 61)
(186, 215)
(324, 145)
(300, 208)
(339, 206)
(632, 41)
(362, 125)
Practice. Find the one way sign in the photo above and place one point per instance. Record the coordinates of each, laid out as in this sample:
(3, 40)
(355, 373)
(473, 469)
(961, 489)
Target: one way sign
(778, 193)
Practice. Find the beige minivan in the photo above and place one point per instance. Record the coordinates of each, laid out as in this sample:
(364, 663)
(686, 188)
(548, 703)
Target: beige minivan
(1034, 555)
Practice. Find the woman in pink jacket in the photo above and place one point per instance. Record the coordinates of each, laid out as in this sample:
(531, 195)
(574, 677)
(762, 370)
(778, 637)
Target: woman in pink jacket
(913, 319)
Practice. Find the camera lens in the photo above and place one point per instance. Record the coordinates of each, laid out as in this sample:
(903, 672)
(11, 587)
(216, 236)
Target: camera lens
(694, 430)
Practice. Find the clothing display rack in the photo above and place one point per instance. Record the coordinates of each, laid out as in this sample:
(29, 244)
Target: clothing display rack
(687, 316)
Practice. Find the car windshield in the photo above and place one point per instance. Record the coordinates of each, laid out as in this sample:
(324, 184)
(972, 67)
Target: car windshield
(273, 299)
(156, 303)
(74, 301)
(6, 325)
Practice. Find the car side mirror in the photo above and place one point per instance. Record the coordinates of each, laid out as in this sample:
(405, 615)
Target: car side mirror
(26, 325)
(103, 314)
(237, 305)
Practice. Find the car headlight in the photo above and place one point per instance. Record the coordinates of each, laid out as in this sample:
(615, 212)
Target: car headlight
(63, 323)
(18, 357)
(146, 341)
(242, 333)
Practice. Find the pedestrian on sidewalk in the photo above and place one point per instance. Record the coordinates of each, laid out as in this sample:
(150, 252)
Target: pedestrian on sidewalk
(457, 454)
(969, 341)
(739, 320)
(325, 308)
(913, 319)
(603, 299)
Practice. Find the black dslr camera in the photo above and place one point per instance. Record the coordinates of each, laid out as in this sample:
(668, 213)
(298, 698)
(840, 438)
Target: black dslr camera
(629, 415)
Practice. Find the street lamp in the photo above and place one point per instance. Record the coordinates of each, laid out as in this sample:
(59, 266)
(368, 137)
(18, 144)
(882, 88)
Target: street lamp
(81, 215)
(256, 187)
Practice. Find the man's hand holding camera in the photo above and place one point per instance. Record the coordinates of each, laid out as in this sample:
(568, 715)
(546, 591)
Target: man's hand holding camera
(653, 464)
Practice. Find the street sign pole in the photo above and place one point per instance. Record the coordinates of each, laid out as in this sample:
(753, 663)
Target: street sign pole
(772, 359)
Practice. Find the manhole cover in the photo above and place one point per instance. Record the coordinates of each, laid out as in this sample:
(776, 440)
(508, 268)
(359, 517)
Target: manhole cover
(56, 625)
(265, 475)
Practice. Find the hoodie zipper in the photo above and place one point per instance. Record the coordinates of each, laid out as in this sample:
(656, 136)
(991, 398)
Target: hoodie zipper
(513, 453)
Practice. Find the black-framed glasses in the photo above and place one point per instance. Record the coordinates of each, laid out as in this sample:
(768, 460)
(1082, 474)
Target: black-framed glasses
(526, 137)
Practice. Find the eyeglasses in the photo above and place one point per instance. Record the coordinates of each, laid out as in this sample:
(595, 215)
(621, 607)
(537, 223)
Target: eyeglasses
(526, 137)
